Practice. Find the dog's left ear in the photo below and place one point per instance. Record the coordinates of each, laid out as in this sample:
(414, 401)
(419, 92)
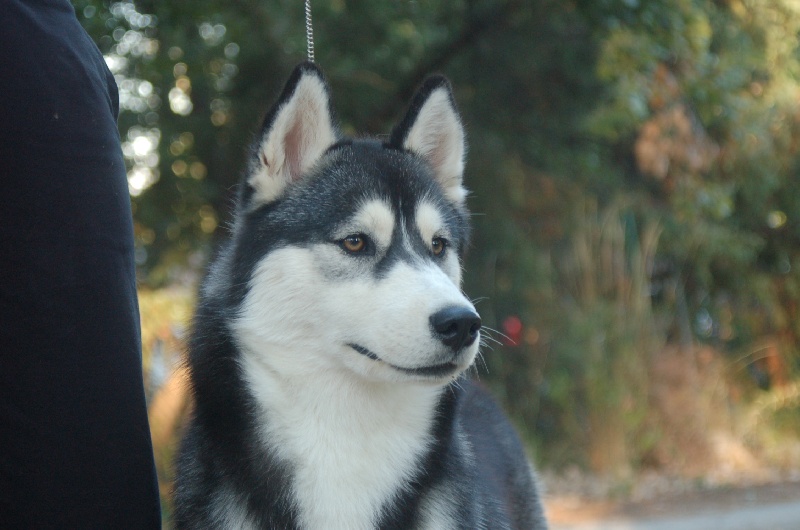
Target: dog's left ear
(432, 129)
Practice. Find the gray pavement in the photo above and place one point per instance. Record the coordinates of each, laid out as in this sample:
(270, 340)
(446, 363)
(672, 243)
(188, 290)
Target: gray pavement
(777, 516)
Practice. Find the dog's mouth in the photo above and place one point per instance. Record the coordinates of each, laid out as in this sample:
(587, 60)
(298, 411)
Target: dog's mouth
(433, 370)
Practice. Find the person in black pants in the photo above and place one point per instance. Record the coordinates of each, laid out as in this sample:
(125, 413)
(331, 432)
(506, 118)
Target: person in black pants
(75, 448)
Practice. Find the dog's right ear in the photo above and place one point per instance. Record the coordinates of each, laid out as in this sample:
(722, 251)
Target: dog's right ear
(296, 132)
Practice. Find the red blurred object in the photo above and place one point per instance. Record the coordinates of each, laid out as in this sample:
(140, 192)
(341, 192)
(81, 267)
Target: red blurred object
(512, 329)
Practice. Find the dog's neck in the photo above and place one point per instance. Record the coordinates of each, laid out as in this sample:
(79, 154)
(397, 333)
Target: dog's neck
(352, 445)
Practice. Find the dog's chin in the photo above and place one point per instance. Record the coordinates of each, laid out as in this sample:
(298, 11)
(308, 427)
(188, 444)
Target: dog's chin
(433, 373)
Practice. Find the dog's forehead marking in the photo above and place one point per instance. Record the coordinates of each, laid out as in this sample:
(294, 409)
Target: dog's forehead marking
(429, 220)
(375, 217)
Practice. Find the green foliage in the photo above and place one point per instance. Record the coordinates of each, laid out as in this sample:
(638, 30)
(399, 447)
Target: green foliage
(676, 114)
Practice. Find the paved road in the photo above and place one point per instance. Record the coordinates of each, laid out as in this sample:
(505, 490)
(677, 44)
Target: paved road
(777, 516)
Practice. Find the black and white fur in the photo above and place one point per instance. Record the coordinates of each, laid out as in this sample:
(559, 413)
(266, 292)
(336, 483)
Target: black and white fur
(331, 337)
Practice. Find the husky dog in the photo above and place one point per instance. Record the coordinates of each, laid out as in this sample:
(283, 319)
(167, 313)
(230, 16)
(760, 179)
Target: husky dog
(331, 337)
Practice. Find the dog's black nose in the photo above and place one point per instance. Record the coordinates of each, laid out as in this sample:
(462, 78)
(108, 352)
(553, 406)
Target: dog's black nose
(456, 326)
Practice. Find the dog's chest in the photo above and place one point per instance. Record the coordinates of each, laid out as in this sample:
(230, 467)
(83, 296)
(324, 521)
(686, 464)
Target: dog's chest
(351, 448)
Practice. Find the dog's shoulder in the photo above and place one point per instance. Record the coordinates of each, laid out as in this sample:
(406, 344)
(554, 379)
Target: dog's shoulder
(502, 470)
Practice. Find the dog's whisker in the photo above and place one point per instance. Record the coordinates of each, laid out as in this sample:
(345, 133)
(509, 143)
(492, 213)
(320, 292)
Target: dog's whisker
(480, 359)
(494, 340)
(491, 330)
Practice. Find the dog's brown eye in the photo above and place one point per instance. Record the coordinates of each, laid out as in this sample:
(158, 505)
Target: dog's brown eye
(438, 245)
(354, 243)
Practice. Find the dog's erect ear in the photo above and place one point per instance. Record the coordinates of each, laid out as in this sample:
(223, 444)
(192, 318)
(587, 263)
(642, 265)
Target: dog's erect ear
(432, 129)
(296, 132)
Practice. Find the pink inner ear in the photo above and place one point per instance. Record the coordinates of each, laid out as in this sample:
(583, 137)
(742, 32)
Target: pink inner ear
(293, 149)
(439, 146)
(438, 153)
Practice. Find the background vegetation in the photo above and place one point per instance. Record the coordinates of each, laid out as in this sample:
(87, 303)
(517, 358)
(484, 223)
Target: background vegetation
(634, 169)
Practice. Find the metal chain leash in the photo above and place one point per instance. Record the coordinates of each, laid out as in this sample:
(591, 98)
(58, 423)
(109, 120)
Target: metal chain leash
(309, 32)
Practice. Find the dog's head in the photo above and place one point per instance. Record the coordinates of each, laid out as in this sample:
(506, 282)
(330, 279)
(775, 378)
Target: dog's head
(347, 253)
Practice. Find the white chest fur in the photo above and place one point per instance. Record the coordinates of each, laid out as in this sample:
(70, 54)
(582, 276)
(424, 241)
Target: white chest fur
(351, 444)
